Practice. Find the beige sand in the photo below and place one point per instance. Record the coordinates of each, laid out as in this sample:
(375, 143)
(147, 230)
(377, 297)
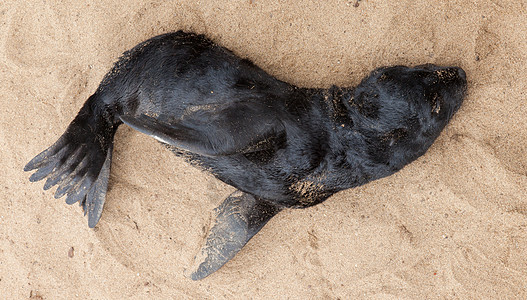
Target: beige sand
(451, 225)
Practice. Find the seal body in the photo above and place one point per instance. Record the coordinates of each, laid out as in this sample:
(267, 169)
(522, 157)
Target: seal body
(280, 145)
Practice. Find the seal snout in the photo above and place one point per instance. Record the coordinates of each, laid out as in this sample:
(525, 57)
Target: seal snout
(445, 72)
(461, 73)
(455, 74)
(454, 84)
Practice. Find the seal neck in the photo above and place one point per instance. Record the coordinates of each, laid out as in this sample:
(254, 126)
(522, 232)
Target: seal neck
(337, 101)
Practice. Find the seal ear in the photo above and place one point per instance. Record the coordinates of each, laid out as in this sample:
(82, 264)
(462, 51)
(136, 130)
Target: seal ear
(236, 128)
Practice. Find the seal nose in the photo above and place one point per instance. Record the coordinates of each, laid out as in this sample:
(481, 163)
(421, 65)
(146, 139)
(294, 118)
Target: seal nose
(461, 73)
(452, 75)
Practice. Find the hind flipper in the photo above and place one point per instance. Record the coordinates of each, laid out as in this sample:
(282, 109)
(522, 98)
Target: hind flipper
(79, 162)
(237, 220)
(94, 202)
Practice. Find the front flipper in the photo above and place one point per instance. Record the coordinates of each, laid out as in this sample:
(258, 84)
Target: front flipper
(237, 220)
(233, 128)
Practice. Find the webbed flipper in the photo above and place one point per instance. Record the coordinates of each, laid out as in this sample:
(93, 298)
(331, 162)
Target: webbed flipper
(236, 221)
(79, 161)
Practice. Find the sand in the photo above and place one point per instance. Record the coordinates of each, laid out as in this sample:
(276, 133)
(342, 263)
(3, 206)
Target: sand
(451, 225)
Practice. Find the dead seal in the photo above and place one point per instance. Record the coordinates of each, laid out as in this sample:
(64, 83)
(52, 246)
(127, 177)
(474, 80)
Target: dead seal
(280, 145)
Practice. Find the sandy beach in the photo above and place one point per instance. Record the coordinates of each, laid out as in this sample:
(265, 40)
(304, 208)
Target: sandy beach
(451, 225)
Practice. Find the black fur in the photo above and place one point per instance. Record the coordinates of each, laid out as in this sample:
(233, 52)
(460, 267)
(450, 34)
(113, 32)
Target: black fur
(286, 146)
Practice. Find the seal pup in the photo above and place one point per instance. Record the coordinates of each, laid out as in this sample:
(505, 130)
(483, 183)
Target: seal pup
(280, 145)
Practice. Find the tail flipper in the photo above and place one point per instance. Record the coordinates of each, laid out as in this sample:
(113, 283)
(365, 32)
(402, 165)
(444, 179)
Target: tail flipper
(79, 161)
(238, 219)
